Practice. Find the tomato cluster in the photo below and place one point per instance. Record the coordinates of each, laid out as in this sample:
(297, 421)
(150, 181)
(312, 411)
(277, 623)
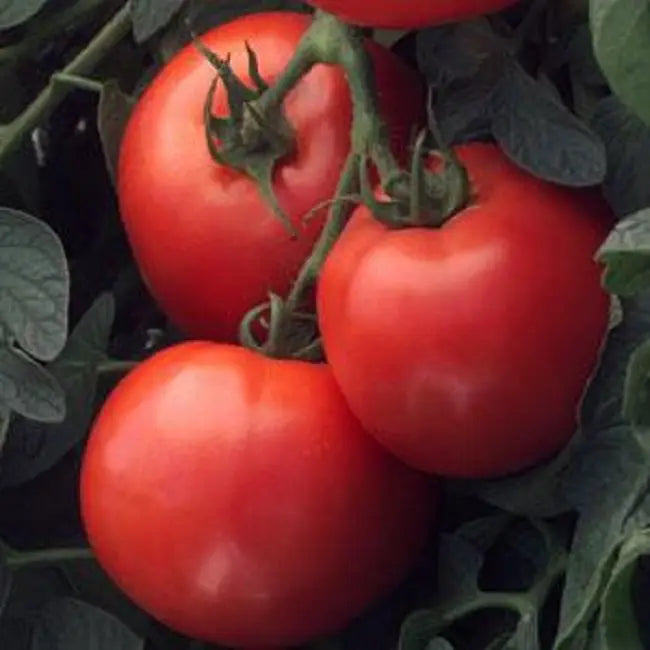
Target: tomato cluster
(254, 501)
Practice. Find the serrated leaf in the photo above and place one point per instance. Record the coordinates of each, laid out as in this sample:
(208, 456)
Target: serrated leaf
(605, 483)
(621, 34)
(32, 447)
(627, 142)
(619, 628)
(602, 406)
(151, 15)
(626, 254)
(16, 12)
(113, 114)
(34, 284)
(68, 624)
(542, 136)
(636, 400)
(29, 389)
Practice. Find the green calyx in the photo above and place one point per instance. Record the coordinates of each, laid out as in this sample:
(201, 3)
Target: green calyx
(420, 198)
(251, 139)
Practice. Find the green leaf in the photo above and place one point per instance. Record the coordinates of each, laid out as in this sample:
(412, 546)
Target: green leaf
(16, 12)
(606, 482)
(541, 135)
(627, 142)
(458, 594)
(5, 581)
(617, 620)
(29, 389)
(457, 51)
(5, 420)
(113, 114)
(626, 254)
(151, 15)
(439, 643)
(602, 406)
(621, 33)
(34, 284)
(636, 400)
(32, 447)
(68, 624)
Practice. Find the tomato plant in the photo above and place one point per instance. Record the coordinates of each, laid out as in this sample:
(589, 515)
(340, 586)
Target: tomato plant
(233, 493)
(275, 517)
(465, 349)
(206, 241)
(409, 13)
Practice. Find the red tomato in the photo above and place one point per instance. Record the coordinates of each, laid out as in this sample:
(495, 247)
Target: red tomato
(207, 245)
(238, 500)
(405, 14)
(465, 349)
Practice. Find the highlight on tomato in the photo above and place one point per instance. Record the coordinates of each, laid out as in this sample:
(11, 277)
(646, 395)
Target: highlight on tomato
(407, 14)
(465, 349)
(237, 499)
(207, 243)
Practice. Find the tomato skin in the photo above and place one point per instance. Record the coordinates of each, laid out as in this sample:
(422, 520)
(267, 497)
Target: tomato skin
(237, 499)
(465, 350)
(207, 245)
(406, 14)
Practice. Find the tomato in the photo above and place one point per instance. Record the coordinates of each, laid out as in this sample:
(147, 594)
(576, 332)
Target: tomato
(465, 350)
(206, 243)
(238, 500)
(405, 14)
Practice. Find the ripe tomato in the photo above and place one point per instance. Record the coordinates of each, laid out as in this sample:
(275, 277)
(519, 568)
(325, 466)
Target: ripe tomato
(207, 245)
(465, 349)
(238, 500)
(405, 14)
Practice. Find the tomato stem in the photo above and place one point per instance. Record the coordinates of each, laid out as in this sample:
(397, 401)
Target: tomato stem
(329, 40)
(13, 133)
(285, 315)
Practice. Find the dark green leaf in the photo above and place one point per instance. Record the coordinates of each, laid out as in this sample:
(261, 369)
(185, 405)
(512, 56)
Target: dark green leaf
(5, 581)
(636, 400)
(463, 107)
(151, 15)
(602, 406)
(541, 135)
(5, 419)
(68, 624)
(617, 619)
(112, 115)
(626, 253)
(627, 142)
(621, 33)
(605, 482)
(457, 51)
(33, 448)
(16, 12)
(34, 284)
(439, 643)
(29, 389)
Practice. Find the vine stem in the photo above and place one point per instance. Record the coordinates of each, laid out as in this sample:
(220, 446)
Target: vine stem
(12, 134)
(329, 40)
(19, 559)
(43, 29)
(116, 366)
(308, 274)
